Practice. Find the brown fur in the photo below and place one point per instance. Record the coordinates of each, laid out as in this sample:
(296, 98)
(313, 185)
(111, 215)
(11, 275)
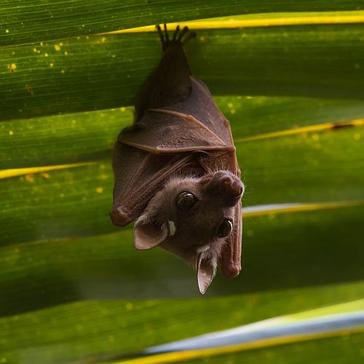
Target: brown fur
(195, 236)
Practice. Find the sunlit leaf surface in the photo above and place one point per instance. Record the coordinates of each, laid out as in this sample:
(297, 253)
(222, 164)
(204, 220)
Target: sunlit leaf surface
(105, 71)
(105, 329)
(288, 75)
(55, 19)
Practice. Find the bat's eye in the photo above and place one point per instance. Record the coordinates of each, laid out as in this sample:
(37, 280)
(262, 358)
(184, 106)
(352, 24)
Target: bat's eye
(185, 200)
(225, 228)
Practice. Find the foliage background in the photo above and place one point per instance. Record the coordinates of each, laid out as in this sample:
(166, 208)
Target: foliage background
(288, 75)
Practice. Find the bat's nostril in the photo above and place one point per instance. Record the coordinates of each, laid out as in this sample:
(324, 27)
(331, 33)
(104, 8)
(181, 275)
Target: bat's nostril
(238, 189)
(233, 186)
(226, 181)
(226, 185)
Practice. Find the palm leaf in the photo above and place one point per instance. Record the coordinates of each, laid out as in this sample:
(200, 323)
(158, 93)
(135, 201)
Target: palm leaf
(289, 77)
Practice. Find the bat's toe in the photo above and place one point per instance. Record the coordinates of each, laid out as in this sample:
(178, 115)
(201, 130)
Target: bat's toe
(179, 37)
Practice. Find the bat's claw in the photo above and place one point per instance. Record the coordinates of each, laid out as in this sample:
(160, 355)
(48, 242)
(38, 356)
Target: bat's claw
(119, 217)
(180, 36)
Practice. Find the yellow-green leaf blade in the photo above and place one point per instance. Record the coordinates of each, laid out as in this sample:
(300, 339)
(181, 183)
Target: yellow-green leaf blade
(280, 251)
(105, 71)
(23, 23)
(80, 137)
(103, 329)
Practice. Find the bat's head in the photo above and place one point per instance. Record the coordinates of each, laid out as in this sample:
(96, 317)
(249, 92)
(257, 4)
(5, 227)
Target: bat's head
(193, 217)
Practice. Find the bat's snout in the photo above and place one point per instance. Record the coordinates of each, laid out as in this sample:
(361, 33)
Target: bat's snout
(226, 185)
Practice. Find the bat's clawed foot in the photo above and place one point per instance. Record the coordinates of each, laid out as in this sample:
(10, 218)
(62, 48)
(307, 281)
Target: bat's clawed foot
(180, 36)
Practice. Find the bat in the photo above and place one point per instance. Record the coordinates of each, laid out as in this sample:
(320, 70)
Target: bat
(176, 172)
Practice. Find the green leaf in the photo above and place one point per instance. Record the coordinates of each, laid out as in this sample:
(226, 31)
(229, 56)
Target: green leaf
(347, 348)
(280, 251)
(292, 86)
(76, 201)
(79, 137)
(99, 330)
(61, 139)
(323, 324)
(104, 71)
(56, 19)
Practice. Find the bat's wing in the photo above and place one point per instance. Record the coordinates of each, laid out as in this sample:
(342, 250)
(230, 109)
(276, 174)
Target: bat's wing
(195, 123)
(167, 131)
(162, 142)
(161, 139)
(230, 261)
(201, 106)
(138, 176)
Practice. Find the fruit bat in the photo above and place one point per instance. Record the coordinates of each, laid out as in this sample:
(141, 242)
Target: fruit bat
(176, 171)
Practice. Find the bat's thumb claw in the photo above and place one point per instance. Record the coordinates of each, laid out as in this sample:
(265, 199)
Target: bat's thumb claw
(231, 270)
(119, 217)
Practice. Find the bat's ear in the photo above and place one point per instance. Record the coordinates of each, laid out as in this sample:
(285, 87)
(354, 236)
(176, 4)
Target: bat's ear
(147, 235)
(206, 270)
